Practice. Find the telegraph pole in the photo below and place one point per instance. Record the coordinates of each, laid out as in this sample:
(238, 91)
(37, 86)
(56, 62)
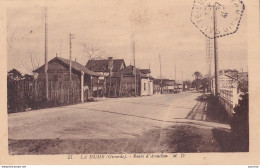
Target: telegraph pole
(182, 76)
(71, 36)
(160, 71)
(46, 55)
(175, 73)
(134, 69)
(208, 54)
(215, 52)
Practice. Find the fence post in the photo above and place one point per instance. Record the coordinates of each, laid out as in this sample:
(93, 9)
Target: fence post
(82, 86)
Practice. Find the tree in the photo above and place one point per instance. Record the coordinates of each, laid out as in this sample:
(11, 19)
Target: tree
(91, 51)
(28, 77)
(14, 74)
(198, 77)
(32, 64)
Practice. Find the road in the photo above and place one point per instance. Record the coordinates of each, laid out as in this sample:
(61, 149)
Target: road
(159, 123)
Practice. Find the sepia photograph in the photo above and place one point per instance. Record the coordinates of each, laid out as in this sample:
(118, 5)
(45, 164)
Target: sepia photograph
(128, 79)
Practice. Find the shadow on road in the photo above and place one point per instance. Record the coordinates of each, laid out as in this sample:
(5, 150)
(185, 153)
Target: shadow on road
(214, 112)
(208, 105)
(208, 109)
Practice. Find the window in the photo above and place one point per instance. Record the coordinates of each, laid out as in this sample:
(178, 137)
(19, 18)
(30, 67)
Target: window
(144, 86)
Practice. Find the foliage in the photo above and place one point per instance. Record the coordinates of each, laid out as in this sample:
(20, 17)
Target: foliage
(197, 81)
(243, 86)
(14, 101)
(187, 83)
(14, 74)
(240, 123)
(197, 75)
(28, 77)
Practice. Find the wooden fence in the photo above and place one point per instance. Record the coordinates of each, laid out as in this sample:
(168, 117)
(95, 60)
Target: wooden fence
(24, 95)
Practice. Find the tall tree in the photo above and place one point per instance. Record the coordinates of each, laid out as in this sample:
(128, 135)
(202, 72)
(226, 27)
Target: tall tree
(198, 77)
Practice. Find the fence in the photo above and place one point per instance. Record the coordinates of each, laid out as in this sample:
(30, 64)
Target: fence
(24, 95)
(229, 99)
(228, 95)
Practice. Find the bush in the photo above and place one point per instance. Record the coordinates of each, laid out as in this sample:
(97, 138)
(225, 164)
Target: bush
(240, 123)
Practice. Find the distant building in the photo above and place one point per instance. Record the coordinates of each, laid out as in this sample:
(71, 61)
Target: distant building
(123, 83)
(178, 86)
(167, 86)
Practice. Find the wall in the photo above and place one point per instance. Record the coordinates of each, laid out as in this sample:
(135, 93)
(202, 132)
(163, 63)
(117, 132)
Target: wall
(228, 93)
(145, 87)
(57, 72)
(151, 88)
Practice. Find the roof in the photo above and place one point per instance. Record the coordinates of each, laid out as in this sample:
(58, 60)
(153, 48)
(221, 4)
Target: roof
(102, 65)
(145, 71)
(130, 72)
(74, 65)
(165, 82)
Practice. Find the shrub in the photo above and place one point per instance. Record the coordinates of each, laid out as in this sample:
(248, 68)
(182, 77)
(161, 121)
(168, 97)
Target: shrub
(240, 123)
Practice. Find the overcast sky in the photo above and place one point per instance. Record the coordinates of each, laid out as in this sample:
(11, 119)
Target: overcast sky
(161, 28)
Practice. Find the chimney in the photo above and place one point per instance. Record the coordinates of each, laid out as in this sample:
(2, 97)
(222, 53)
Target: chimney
(110, 64)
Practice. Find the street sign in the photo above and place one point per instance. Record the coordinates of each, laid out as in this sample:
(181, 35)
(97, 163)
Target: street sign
(223, 15)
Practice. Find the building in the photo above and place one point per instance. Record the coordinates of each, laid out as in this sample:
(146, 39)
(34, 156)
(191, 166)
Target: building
(58, 70)
(178, 86)
(167, 86)
(123, 83)
(105, 68)
(146, 82)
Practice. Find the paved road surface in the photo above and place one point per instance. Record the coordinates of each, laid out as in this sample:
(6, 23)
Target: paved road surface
(140, 124)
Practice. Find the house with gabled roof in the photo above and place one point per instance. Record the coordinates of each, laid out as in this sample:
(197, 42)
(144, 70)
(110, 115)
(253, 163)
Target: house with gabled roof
(124, 82)
(105, 66)
(58, 70)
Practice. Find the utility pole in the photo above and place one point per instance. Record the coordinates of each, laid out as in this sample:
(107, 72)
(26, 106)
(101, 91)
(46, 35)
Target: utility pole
(160, 72)
(134, 69)
(208, 54)
(71, 36)
(175, 73)
(215, 53)
(181, 76)
(46, 56)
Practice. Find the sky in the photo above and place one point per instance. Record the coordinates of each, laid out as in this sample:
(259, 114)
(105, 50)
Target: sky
(160, 28)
